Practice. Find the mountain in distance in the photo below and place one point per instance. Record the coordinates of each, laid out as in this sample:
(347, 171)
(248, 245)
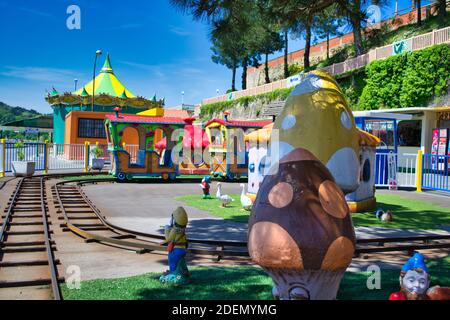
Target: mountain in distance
(9, 113)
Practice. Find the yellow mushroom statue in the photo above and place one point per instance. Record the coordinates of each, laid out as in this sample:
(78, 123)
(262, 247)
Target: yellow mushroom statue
(300, 229)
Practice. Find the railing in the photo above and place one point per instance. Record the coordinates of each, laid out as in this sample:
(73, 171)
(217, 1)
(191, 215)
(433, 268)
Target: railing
(32, 152)
(51, 156)
(389, 174)
(66, 156)
(435, 173)
(415, 43)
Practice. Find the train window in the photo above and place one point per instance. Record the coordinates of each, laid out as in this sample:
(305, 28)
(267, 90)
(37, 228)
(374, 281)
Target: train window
(91, 128)
(384, 130)
(409, 133)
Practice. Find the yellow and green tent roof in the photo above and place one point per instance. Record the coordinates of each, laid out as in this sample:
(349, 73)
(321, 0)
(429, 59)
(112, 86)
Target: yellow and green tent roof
(106, 82)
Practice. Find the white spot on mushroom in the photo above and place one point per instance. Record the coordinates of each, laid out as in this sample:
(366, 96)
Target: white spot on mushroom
(345, 120)
(288, 122)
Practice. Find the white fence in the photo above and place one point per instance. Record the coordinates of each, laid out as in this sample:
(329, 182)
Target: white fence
(389, 174)
(66, 156)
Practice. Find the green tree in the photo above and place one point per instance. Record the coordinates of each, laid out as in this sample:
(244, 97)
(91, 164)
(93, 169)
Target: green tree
(268, 39)
(225, 53)
(327, 24)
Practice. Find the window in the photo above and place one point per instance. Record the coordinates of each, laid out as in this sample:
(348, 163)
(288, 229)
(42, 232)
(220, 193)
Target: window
(409, 133)
(91, 128)
(384, 130)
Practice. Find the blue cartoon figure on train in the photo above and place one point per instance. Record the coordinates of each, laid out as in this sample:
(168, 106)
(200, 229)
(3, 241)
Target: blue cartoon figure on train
(175, 234)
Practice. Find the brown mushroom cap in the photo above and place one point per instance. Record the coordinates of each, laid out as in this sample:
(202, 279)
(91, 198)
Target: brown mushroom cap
(300, 219)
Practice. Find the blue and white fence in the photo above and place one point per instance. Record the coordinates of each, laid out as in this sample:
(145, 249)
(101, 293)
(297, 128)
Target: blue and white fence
(435, 172)
(419, 171)
(50, 156)
(32, 151)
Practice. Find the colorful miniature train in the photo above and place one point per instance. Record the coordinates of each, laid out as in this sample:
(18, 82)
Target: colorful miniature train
(170, 146)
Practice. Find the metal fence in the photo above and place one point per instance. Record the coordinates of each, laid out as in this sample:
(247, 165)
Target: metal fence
(31, 151)
(66, 156)
(435, 173)
(389, 174)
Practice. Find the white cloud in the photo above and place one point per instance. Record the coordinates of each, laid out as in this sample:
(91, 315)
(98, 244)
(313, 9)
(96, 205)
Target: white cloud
(41, 74)
(179, 31)
(35, 12)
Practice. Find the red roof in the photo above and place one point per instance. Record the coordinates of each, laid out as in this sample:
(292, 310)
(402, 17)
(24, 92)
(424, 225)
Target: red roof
(240, 123)
(176, 113)
(194, 137)
(144, 119)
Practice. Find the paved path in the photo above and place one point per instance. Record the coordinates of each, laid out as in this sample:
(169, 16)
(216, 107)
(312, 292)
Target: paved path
(441, 199)
(147, 207)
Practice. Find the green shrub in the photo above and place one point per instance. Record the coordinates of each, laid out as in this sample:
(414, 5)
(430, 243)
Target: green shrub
(20, 152)
(208, 110)
(406, 80)
(97, 152)
(294, 68)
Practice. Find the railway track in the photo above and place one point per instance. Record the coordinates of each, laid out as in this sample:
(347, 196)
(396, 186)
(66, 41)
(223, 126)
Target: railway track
(28, 268)
(88, 222)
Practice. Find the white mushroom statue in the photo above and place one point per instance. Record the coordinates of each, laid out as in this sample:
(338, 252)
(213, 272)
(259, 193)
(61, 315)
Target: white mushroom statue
(223, 198)
(246, 202)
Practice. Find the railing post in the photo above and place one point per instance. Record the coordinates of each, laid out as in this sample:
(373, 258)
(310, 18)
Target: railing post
(3, 155)
(46, 152)
(86, 156)
(419, 171)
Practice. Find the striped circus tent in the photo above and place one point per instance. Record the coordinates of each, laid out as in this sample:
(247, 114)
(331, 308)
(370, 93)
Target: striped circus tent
(106, 83)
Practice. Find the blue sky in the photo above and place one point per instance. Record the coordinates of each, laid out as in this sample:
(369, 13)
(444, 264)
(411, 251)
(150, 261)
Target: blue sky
(154, 48)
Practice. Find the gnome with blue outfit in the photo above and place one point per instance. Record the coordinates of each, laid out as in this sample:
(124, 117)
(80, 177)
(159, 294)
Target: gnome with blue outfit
(415, 280)
(175, 234)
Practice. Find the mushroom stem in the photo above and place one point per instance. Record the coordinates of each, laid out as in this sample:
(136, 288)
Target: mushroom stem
(316, 284)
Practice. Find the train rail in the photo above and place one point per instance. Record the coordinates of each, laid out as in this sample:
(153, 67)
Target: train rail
(28, 267)
(27, 251)
(147, 242)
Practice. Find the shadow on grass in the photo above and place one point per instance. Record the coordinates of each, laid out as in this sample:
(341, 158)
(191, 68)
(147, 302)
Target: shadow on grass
(407, 214)
(240, 283)
(235, 283)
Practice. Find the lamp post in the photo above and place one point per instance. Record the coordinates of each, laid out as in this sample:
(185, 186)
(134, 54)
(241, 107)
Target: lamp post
(97, 54)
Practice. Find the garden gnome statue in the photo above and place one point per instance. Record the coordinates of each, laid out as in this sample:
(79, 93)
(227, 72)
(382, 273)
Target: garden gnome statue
(175, 234)
(415, 280)
(206, 181)
(300, 229)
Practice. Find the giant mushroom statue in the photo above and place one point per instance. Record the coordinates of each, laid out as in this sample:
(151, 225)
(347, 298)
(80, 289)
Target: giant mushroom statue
(300, 229)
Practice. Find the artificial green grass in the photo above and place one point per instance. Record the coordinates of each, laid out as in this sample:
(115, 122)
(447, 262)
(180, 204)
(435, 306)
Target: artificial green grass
(240, 283)
(232, 212)
(407, 213)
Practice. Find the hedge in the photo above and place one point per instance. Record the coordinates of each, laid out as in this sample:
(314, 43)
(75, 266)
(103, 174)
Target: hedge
(278, 94)
(408, 80)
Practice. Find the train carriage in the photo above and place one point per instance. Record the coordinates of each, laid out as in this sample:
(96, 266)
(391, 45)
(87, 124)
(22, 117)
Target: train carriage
(148, 162)
(227, 147)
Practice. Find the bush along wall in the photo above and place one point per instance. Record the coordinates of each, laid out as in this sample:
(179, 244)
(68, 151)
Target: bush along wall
(211, 110)
(408, 80)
